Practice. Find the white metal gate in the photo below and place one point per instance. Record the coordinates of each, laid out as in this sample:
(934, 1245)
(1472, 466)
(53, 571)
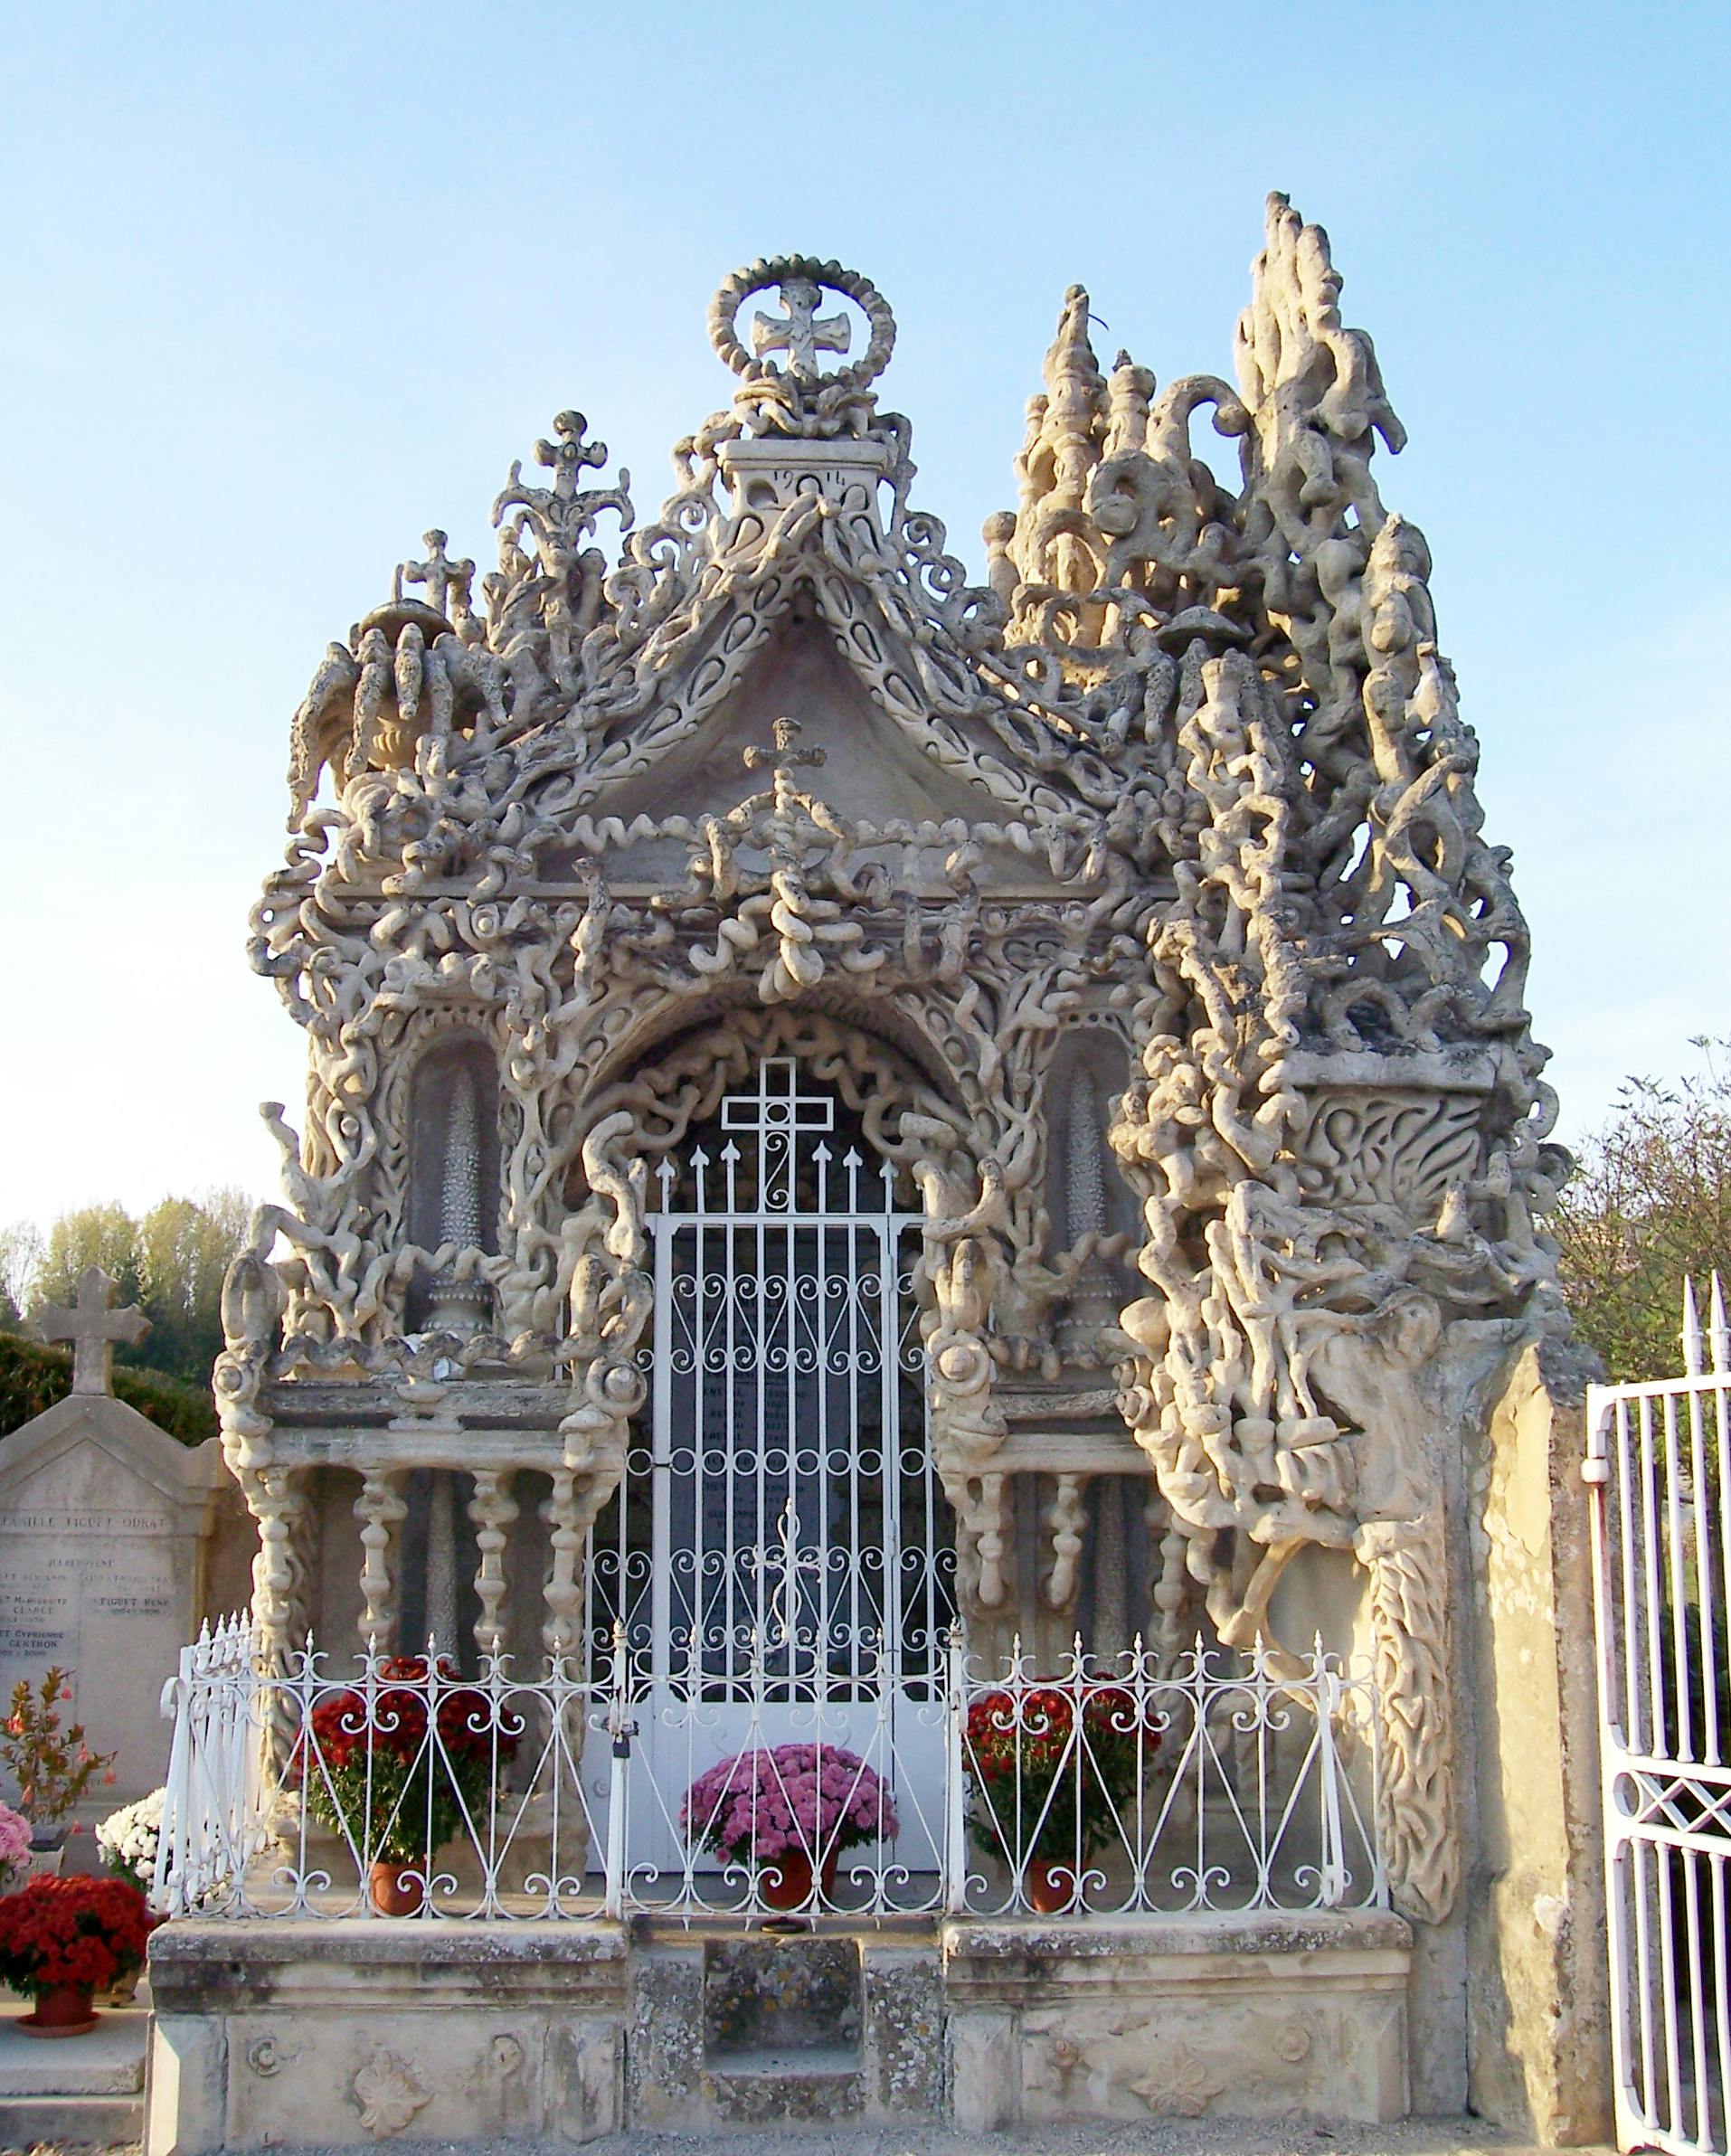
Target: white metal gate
(781, 1553)
(1659, 1464)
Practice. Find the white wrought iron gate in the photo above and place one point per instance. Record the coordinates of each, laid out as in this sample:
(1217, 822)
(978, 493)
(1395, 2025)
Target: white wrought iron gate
(1659, 1466)
(781, 1553)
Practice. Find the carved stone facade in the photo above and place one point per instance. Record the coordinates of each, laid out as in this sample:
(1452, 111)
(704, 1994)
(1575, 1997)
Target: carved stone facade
(1135, 903)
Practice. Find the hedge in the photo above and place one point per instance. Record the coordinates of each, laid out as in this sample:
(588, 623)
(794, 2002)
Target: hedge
(33, 1377)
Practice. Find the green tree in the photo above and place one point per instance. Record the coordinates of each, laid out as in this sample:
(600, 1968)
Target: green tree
(170, 1262)
(104, 1236)
(1649, 1202)
(183, 1246)
(21, 1255)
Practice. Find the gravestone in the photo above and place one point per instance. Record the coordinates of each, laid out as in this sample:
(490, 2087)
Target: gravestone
(114, 1540)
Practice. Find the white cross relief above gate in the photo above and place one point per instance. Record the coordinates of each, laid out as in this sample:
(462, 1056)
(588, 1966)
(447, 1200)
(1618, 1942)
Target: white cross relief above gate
(776, 1113)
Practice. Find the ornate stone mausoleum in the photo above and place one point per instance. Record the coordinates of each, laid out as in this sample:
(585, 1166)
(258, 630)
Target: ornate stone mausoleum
(854, 1100)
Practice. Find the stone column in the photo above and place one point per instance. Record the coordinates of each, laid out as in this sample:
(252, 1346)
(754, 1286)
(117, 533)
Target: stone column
(1537, 1990)
(441, 1562)
(563, 1592)
(380, 1509)
(491, 1509)
(278, 1498)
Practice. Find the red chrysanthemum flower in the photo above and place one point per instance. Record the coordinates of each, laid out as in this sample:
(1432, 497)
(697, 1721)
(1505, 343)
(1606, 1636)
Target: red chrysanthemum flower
(79, 1931)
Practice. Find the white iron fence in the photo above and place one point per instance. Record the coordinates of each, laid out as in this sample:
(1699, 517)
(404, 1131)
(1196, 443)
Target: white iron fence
(1658, 1467)
(1118, 1788)
(780, 1789)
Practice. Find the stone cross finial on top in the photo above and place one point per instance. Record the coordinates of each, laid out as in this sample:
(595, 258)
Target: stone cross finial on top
(446, 581)
(92, 1327)
(802, 333)
(798, 401)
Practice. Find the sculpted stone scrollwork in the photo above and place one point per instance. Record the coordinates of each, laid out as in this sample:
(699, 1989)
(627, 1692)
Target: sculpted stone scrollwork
(1184, 777)
(267, 2057)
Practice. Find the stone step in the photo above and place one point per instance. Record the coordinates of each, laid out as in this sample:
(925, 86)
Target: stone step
(791, 2088)
(76, 2121)
(821, 2031)
(86, 2089)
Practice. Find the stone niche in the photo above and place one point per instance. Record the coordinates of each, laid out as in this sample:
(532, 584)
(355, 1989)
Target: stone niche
(454, 1171)
(115, 1543)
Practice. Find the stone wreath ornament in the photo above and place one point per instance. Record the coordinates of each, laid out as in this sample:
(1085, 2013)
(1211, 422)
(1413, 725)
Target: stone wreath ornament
(798, 399)
(801, 281)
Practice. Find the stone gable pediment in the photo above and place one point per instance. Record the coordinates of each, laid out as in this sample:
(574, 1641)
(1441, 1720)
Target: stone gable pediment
(871, 768)
(97, 1448)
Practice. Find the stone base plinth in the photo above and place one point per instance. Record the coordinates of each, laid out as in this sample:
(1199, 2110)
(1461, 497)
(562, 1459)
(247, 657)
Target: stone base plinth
(347, 2034)
(1091, 2019)
(283, 2031)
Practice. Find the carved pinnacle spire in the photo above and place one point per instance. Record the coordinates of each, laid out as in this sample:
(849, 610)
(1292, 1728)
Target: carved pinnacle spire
(1066, 440)
(1075, 406)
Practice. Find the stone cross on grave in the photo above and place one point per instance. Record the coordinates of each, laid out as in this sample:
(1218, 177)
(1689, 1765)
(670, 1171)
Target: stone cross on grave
(802, 333)
(92, 1328)
(784, 756)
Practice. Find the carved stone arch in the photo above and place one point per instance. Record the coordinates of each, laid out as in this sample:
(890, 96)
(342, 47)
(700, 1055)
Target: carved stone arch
(965, 1262)
(679, 1083)
(885, 1111)
(821, 1024)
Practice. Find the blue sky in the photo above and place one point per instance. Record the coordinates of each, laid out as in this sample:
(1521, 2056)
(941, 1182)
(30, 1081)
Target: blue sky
(284, 287)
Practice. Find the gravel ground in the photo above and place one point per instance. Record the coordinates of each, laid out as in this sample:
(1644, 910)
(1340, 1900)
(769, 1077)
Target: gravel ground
(1176, 2137)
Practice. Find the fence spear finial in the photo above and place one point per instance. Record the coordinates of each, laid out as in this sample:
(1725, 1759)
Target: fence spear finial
(1693, 1350)
(1719, 1332)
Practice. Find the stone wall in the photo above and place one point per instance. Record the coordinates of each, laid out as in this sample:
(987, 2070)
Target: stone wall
(1537, 1994)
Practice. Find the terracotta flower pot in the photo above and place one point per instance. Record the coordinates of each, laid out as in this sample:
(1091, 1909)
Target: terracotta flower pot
(395, 1894)
(785, 1882)
(61, 2010)
(1049, 1886)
